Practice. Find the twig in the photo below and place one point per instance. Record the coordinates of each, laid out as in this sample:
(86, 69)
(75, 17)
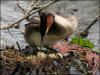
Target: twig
(86, 31)
(3, 27)
(27, 15)
(21, 7)
(94, 21)
(18, 46)
(32, 3)
(32, 8)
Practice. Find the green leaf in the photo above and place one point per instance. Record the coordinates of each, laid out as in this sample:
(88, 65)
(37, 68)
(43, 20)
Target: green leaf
(84, 42)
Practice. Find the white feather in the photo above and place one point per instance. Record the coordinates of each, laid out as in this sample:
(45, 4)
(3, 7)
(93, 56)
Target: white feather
(69, 23)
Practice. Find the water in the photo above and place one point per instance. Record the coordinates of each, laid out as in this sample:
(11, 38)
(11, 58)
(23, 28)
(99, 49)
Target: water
(88, 10)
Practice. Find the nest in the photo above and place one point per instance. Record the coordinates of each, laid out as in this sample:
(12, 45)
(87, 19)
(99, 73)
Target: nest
(48, 62)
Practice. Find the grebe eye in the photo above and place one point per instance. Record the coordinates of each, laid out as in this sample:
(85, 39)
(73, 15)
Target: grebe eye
(26, 24)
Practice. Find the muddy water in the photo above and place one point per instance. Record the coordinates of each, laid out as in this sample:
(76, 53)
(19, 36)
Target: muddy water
(88, 10)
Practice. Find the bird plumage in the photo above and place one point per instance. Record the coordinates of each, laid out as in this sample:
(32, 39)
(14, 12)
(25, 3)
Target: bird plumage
(59, 28)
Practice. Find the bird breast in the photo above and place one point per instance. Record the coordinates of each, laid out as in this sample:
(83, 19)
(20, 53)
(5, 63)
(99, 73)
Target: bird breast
(63, 26)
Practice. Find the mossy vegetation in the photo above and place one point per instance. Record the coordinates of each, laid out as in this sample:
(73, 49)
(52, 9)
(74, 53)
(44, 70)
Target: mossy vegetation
(84, 42)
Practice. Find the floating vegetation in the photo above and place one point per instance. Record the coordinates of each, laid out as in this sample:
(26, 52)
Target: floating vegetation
(84, 42)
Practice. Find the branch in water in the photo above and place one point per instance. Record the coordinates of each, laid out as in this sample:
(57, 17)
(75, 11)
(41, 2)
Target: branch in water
(28, 13)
